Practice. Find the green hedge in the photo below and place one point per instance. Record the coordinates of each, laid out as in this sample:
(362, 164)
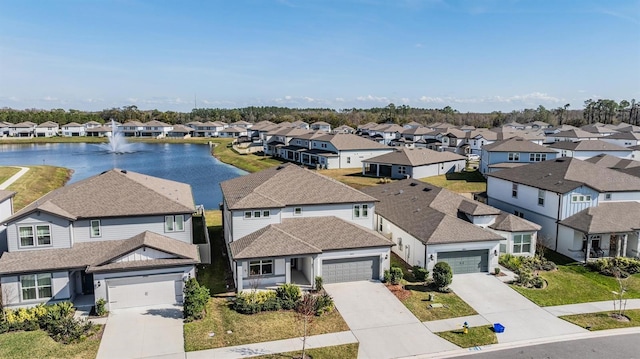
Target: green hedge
(286, 296)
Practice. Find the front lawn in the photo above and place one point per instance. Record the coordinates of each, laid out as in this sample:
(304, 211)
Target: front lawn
(38, 344)
(338, 351)
(461, 182)
(573, 283)
(603, 320)
(255, 328)
(476, 336)
(214, 276)
(418, 303)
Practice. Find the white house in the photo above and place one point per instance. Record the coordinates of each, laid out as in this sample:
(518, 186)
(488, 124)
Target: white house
(155, 129)
(413, 163)
(511, 153)
(320, 126)
(47, 129)
(429, 224)
(6, 210)
(625, 139)
(572, 135)
(583, 150)
(22, 129)
(289, 225)
(73, 129)
(122, 236)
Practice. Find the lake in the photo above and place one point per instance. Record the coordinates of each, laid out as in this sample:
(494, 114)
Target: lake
(188, 163)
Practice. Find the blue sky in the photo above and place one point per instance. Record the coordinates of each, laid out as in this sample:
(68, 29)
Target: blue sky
(472, 55)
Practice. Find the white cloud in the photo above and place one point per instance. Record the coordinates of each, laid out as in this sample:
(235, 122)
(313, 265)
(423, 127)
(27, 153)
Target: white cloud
(49, 98)
(339, 99)
(432, 99)
(370, 98)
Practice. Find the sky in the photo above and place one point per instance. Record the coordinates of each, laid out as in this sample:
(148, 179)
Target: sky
(472, 55)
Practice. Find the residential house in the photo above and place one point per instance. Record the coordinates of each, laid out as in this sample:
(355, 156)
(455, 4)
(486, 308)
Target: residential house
(288, 224)
(549, 192)
(613, 162)
(300, 124)
(281, 137)
(207, 129)
(412, 124)
(180, 131)
(99, 131)
(241, 124)
(385, 133)
(155, 129)
(341, 150)
(511, 153)
(479, 138)
(297, 145)
(6, 210)
(625, 139)
(22, 129)
(4, 128)
(320, 126)
(94, 124)
(429, 224)
(131, 128)
(573, 135)
(122, 236)
(73, 129)
(583, 150)
(413, 163)
(234, 132)
(47, 129)
(599, 130)
(343, 129)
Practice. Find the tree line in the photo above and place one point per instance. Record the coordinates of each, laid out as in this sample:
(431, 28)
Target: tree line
(602, 110)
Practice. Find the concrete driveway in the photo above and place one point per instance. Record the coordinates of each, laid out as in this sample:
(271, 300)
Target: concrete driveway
(384, 327)
(498, 303)
(152, 331)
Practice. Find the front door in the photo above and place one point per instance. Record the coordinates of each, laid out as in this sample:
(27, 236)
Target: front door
(87, 283)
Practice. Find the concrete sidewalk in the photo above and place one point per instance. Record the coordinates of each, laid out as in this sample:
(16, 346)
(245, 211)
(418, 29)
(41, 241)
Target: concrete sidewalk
(592, 307)
(14, 178)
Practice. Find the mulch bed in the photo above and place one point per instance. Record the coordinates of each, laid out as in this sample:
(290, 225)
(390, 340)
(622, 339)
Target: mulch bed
(399, 291)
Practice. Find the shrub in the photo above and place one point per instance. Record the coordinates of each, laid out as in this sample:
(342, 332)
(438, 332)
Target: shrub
(324, 304)
(396, 275)
(255, 302)
(101, 307)
(288, 294)
(420, 273)
(319, 283)
(195, 300)
(68, 329)
(386, 278)
(442, 276)
(622, 266)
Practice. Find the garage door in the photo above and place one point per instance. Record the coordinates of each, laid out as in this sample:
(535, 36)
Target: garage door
(144, 290)
(349, 270)
(466, 261)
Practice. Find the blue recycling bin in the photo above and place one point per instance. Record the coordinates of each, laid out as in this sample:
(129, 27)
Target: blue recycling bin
(498, 328)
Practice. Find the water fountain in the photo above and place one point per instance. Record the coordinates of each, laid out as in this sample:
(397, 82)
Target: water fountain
(117, 142)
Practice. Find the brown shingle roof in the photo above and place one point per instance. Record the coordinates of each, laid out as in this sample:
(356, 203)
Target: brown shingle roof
(415, 157)
(509, 223)
(306, 236)
(565, 174)
(115, 193)
(348, 141)
(285, 185)
(92, 255)
(588, 145)
(616, 217)
(516, 144)
(613, 161)
(574, 133)
(4, 194)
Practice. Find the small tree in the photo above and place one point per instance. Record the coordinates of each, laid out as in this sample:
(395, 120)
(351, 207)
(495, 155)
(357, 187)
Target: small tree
(442, 276)
(396, 275)
(195, 300)
(306, 312)
(319, 283)
(618, 296)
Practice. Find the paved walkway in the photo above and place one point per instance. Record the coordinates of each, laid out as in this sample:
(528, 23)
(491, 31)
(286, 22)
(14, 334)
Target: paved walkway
(498, 303)
(14, 178)
(384, 327)
(593, 307)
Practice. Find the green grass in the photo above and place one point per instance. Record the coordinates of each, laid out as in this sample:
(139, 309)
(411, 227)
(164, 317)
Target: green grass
(214, 276)
(249, 162)
(603, 320)
(573, 283)
(37, 182)
(38, 344)
(351, 176)
(255, 328)
(345, 351)
(461, 182)
(476, 336)
(7, 172)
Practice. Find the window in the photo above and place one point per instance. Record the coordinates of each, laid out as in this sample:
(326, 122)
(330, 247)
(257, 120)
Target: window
(607, 196)
(514, 156)
(29, 234)
(348, 159)
(580, 198)
(174, 223)
(297, 211)
(36, 286)
(521, 243)
(257, 214)
(514, 190)
(360, 211)
(541, 197)
(261, 267)
(519, 214)
(400, 243)
(247, 215)
(537, 157)
(95, 228)
(402, 170)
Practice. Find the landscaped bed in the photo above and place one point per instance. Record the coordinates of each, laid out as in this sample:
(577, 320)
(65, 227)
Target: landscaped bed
(605, 320)
(476, 336)
(38, 344)
(460, 182)
(254, 328)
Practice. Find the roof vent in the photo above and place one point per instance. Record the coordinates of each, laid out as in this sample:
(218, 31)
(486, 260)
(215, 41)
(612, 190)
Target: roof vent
(560, 160)
(123, 171)
(426, 189)
(413, 184)
(279, 167)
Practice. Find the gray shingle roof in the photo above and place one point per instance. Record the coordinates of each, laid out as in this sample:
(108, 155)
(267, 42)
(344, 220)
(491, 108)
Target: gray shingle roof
(348, 141)
(431, 214)
(565, 174)
(95, 256)
(574, 133)
(310, 235)
(415, 157)
(115, 193)
(613, 161)
(4, 194)
(616, 217)
(286, 185)
(516, 144)
(509, 223)
(588, 145)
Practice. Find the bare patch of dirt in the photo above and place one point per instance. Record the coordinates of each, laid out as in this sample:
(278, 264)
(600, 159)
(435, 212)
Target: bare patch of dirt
(399, 291)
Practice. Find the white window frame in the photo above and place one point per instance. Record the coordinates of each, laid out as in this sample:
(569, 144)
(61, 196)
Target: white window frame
(36, 287)
(537, 157)
(541, 195)
(257, 214)
(514, 190)
(360, 211)
(261, 264)
(174, 223)
(297, 211)
(513, 156)
(35, 237)
(518, 214)
(607, 196)
(348, 159)
(92, 232)
(580, 198)
(519, 242)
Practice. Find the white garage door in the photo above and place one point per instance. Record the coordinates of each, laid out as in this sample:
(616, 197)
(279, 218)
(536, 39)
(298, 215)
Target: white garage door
(349, 270)
(144, 290)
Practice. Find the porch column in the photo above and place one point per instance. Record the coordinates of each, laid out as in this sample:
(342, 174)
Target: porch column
(378, 170)
(618, 245)
(287, 270)
(239, 276)
(587, 249)
(624, 244)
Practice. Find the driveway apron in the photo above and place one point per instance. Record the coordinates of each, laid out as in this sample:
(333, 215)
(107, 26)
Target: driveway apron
(384, 327)
(498, 303)
(142, 332)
